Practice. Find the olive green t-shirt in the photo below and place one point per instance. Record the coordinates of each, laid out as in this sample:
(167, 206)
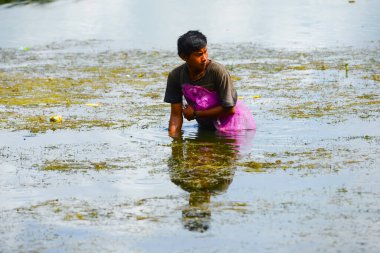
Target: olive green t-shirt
(216, 79)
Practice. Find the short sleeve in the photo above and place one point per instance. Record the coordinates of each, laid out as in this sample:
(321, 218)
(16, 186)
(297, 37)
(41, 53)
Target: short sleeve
(225, 88)
(173, 93)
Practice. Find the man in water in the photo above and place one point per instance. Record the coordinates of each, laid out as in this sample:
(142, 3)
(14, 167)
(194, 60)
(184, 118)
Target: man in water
(198, 70)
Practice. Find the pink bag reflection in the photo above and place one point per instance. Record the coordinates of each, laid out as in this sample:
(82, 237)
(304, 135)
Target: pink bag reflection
(202, 99)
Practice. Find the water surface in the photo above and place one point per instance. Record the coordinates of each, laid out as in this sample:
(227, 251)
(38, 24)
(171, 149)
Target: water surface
(108, 178)
(151, 24)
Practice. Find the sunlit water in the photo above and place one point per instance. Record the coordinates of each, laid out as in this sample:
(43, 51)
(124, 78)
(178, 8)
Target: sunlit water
(129, 187)
(151, 24)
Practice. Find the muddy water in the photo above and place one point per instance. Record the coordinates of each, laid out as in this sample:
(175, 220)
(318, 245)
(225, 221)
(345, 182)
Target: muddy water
(108, 178)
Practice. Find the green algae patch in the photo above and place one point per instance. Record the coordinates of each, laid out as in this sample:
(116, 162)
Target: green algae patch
(319, 153)
(342, 190)
(20, 90)
(319, 159)
(370, 96)
(299, 67)
(39, 124)
(57, 208)
(57, 165)
(234, 206)
(53, 204)
(72, 165)
(152, 95)
(374, 77)
(147, 217)
(85, 215)
(309, 110)
(43, 124)
(236, 78)
(363, 106)
(254, 166)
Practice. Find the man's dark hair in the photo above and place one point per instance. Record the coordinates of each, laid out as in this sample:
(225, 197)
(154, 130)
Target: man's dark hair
(191, 41)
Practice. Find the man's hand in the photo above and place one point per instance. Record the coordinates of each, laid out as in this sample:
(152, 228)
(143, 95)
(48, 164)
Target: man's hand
(188, 112)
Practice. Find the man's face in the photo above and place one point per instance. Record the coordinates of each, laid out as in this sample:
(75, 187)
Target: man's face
(198, 60)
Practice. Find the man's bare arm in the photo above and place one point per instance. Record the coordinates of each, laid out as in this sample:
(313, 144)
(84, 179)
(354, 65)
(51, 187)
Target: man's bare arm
(176, 120)
(214, 112)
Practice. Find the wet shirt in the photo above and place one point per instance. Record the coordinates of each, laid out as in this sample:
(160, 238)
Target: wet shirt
(216, 79)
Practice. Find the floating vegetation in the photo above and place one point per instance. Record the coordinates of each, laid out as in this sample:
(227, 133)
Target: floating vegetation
(312, 85)
(66, 87)
(19, 90)
(72, 165)
(42, 124)
(113, 167)
(254, 166)
(341, 109)
(238, 207)
(319, 159)
(376, 77)
(370, 96)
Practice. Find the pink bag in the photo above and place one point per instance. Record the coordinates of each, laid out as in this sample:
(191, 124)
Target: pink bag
(202, 99)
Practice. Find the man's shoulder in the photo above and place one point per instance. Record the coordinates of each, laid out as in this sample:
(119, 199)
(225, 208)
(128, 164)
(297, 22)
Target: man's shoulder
(217, 68)
(177, 70)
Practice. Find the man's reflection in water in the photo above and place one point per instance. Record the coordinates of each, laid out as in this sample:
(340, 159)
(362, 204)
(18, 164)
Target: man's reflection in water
(204, 165)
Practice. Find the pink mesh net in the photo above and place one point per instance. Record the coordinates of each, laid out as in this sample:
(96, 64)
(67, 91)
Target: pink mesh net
(202, 99)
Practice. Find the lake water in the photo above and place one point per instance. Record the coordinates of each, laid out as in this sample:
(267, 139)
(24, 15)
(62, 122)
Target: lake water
(148, 24)
(108, 178)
